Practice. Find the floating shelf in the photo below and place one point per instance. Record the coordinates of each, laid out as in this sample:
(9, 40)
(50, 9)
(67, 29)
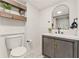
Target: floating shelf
(15, 4)
(12, 16)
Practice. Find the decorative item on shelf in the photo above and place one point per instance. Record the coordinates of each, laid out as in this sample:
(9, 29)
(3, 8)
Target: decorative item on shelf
(6, 6)
(49, 27)
(50, 30)
(74, 24)
(11, 8)
(21, 12)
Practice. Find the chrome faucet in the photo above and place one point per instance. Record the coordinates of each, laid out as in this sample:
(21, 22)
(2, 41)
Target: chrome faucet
(59, 30)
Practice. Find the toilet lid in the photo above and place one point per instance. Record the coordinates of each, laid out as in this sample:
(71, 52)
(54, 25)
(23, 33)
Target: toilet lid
(19, 51)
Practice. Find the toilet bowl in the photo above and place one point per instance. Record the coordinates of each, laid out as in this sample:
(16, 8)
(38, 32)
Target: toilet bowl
(19, 52)
(15, 46)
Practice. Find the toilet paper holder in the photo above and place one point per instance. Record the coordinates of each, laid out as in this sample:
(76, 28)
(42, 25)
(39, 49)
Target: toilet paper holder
(28, 41)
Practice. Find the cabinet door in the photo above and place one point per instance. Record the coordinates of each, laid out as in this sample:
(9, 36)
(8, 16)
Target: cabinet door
(63, 49)
(48, 49)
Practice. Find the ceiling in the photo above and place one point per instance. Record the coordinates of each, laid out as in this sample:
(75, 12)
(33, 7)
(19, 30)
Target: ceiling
(41, 4)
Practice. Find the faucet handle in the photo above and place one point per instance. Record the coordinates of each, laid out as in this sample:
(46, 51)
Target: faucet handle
(27, 41)
(62, 33)
(58, 28)
(55, 32)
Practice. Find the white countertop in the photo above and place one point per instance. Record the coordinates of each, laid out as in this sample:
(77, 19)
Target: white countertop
(72, 37)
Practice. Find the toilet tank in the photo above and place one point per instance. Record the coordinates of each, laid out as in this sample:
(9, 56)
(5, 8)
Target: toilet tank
(14, 41)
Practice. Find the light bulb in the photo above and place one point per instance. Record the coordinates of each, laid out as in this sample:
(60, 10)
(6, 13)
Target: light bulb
(59, 12)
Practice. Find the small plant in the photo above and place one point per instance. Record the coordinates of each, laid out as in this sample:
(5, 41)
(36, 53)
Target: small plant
(50, 30)
(6, 6)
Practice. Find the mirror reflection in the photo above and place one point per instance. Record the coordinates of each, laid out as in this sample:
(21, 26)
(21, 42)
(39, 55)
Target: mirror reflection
(61, 17)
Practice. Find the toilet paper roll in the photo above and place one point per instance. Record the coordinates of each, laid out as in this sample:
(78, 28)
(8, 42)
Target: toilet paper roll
(29, 44)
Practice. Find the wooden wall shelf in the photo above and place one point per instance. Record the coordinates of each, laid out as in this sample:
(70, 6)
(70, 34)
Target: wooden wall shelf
(15, 4)
(12, 16)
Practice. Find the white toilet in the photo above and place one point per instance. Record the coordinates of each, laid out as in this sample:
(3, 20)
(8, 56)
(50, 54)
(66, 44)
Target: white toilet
(15, 46)
(19, 52)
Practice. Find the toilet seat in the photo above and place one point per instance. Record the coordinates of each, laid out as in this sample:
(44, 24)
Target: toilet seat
(19, 51)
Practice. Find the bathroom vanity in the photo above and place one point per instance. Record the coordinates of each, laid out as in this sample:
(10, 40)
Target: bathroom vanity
(60, 46)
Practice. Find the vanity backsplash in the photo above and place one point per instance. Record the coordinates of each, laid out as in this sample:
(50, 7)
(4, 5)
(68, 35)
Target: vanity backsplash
(66, 32)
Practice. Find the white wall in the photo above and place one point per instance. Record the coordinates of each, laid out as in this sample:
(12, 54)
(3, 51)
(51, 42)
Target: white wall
(78, 13)
(32, 29)
(46, 15)
(9, 26)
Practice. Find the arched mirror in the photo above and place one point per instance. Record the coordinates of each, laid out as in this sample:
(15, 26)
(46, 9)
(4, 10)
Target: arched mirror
(60, 17)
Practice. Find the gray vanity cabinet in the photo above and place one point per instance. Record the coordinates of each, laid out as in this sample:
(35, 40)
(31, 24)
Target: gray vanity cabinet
(48, 46)
(63, 49)
(53, 47)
